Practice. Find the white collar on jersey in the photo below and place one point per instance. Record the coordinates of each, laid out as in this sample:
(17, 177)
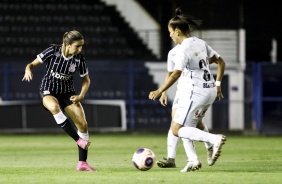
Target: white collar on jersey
(66, 57)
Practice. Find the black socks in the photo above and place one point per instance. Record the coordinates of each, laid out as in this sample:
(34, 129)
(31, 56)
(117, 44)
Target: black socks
(82, 154)
(69, 129)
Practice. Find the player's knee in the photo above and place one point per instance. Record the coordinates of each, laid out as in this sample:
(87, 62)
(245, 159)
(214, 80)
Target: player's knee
(53, 108)
(174, 128)
(175, 132)
(51, 104)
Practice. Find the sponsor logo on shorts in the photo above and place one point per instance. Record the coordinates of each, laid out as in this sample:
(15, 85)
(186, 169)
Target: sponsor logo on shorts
(46, 92)
(175, 101)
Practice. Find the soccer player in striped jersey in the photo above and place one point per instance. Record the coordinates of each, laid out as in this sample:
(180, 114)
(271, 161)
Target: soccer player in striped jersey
(57, 89)
(197, 90)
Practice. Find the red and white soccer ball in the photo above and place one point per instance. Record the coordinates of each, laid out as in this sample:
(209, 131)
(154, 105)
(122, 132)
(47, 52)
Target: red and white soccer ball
(144, 159)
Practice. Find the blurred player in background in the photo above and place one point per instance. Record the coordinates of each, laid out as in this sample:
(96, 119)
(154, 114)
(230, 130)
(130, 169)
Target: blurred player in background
(197, 89)
(58, 93)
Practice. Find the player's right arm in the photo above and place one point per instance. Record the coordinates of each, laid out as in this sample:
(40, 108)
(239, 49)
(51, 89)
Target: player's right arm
(163, 98)
(170, 67)
(28, 69)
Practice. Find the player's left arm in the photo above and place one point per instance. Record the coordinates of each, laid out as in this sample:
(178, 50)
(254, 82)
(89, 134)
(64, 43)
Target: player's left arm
(221, 66)
(220, 72)
(84, 89)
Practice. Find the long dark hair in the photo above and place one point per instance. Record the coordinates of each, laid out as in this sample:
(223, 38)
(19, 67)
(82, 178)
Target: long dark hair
(186, 23)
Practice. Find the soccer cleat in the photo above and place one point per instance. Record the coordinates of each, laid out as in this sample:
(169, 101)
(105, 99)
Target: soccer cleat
(192, 166)
(83, 166)
(209, 156)
(166, 163)
(217, 148)
(84, 144)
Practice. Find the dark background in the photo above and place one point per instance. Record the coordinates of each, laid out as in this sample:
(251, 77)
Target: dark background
(260, 19)
(28, 26)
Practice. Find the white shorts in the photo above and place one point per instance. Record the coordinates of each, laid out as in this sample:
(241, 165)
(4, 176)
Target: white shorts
(191, 106)
(178, 95)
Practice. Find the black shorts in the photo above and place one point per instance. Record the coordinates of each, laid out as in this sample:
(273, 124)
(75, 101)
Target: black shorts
(63, 99)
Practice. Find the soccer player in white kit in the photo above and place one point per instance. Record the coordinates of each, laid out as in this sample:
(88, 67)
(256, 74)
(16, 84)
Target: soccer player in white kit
(172, 141)
(197, 89)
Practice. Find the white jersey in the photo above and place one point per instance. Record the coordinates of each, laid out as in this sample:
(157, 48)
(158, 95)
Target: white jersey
(170, 58)
(171, 64)
(196, 90)
(192, 59)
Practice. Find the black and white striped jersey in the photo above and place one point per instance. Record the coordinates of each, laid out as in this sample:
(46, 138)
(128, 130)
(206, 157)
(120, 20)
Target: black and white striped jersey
(59, 71)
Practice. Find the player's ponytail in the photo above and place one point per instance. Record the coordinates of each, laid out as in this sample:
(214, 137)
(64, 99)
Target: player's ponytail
(186, 23)
(178, 11)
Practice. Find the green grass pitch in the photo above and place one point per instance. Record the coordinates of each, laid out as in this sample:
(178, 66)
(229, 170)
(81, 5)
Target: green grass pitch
(49, 159)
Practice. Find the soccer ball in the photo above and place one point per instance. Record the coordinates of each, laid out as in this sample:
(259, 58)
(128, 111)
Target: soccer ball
(143, 159)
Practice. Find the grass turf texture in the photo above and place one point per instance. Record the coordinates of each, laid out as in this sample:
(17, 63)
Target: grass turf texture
(53, 158)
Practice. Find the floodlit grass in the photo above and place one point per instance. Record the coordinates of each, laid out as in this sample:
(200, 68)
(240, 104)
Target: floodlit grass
(28, 159)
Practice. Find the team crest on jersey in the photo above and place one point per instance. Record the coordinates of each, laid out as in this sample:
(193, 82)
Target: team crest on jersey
(72, 67)
(57, 54)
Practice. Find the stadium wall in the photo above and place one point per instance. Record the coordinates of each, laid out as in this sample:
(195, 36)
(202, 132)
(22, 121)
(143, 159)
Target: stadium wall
(252, 100)
(141, 21)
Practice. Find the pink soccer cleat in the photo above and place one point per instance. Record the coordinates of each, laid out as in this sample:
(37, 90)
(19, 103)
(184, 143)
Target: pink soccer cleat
(84, 144)
(83, 166)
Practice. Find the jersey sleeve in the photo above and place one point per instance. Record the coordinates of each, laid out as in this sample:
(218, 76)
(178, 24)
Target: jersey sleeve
(181, 59)
(170, 63)
(43, 56)
(83, 69)
(211, 52)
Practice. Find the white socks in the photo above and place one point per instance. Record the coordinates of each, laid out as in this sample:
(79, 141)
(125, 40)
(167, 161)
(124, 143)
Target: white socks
(188, 134)
(207, 145)
(196, 134)
(84, 136)
(172, 142)
(189, 149)
(60, 117)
